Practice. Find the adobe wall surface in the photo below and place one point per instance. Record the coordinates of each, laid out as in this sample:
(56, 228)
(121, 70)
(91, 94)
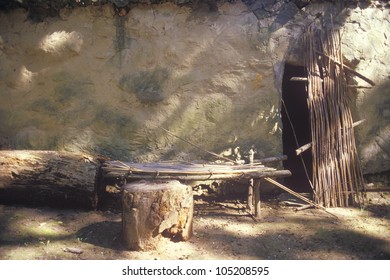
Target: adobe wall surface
(91, 80)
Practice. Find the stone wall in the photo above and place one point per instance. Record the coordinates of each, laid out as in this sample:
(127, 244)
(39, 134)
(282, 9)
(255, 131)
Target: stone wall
(104, 80)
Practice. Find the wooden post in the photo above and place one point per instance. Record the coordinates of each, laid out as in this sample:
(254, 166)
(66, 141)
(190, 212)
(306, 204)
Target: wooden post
(249, 203)
(257, 199)
(155, 209)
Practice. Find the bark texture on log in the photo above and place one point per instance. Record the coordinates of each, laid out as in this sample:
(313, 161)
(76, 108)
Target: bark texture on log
(49, 178)
(155, 209)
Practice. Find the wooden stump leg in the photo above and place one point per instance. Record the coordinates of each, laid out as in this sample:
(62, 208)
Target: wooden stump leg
(154, 209)
(249, 203)
(257, 200)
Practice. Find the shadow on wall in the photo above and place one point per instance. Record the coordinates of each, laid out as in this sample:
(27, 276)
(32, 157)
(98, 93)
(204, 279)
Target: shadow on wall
(147, 85)
(373, 136)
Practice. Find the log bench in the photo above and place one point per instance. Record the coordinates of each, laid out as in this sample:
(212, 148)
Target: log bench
(157, 203)
(184, 172)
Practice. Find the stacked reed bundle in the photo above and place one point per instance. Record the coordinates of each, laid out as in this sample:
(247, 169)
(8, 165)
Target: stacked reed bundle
(337, 174)
(188, 171)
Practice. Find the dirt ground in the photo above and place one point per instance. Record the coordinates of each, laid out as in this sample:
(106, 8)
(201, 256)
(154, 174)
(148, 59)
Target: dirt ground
(222, 230)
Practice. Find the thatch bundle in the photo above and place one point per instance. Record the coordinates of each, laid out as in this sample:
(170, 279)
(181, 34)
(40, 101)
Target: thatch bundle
(188, 171)
(337, 174)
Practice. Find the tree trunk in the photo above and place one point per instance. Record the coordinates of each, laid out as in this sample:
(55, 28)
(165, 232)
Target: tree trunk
(48, 178)
(152, 209)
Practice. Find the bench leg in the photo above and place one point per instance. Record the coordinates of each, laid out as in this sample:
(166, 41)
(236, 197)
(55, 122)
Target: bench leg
(249, 204)
(257, 199)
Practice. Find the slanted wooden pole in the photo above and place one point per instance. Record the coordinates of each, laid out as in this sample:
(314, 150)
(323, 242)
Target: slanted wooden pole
(307, 146)
(299, 196)
(345, 67)
(303, 148)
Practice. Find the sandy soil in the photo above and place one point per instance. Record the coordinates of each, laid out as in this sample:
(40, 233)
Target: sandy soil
(222, 230)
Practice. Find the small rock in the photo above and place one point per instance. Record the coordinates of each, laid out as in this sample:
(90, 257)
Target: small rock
(76, 251)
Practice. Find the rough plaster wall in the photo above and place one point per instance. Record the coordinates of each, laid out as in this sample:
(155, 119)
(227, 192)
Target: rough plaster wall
(94, 82)
(366, 43)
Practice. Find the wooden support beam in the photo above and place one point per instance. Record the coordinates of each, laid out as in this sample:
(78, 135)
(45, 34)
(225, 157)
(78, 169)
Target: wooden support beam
(358, 122)
(257, 200)
(356, 86)
(348, 69)
(303, 148)
(298, 79)
(307, 146)
(203, 177)
(377, 190)
(249, 203)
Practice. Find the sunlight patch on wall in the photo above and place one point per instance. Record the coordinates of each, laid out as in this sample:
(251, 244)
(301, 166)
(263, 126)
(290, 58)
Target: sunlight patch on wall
(26, 76)
(275, 128)
(270, 118)
(61, 41)
(77, 141)
(376, 148)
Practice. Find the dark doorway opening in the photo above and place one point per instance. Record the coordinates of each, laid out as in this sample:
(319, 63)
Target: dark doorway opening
(296, 127)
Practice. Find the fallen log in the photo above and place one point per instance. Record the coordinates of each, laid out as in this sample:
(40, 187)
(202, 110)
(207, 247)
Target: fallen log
(49, 178)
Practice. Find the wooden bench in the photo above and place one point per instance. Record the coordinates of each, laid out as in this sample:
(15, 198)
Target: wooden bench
(183, 171)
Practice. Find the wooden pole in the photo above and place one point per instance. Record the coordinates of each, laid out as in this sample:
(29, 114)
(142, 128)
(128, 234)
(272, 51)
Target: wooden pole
(307, 146)
(257, 199)
(298, 79)
(345, 67)
(250, 197)
(299, 196)
(201, 177)
(303, 148)
(196, 146)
